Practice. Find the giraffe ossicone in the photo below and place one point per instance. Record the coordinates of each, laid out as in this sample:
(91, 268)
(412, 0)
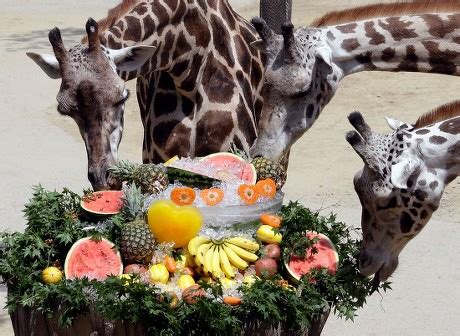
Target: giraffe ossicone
(304, 65)
(402, 182)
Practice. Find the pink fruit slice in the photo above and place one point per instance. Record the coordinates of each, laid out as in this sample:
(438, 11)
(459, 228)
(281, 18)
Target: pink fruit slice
(94, 259)
(228, 166)
(325, 257)
(107, 202)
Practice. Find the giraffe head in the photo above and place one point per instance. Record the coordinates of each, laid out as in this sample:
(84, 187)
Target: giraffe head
(92, 94)
(299, 80)
(399, 188)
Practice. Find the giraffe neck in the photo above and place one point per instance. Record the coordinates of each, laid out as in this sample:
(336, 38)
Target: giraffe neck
(200, 92)
(165, 25)
(415, 43)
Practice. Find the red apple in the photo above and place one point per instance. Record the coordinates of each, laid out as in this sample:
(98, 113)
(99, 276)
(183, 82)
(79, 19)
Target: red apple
(272, 251)
(266, 267)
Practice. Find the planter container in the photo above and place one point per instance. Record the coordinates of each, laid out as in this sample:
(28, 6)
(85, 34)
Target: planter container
(30, 322)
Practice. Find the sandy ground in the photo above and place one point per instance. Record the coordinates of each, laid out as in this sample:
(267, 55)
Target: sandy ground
(39, 146)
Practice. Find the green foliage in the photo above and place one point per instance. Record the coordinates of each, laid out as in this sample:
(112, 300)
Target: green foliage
(271, 302)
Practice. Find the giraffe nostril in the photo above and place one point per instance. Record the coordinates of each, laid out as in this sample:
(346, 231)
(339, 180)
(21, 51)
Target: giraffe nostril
(364, 260)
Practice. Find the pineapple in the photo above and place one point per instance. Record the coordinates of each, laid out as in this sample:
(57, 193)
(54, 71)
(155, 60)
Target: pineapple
(136, 240)
(151, 178)
(267, 168)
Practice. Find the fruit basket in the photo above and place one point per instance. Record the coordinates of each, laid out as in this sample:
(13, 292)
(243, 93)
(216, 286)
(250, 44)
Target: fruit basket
(174, 254)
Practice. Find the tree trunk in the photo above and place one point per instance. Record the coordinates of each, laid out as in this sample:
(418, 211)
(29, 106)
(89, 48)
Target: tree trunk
(275, 13)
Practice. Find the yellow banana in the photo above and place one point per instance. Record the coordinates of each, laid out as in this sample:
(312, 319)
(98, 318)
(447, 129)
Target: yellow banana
(196, 242)
(207, 262)
(234, 258)
(201, 252)
(225, 264)
(216, 270)
(246, 255)
(245, 243)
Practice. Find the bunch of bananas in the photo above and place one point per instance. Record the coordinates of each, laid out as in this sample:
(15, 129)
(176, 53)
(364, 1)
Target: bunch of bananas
(220, 258)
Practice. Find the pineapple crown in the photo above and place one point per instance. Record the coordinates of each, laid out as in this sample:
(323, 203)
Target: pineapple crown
(123, 170)
(133, 203)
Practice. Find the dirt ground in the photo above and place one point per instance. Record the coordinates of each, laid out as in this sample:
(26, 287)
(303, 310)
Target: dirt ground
(39, 146)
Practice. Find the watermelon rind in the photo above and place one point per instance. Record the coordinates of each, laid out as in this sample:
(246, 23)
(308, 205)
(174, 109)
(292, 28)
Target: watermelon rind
(295, 276)
(189, 178)
(89, 205)
(73, 253)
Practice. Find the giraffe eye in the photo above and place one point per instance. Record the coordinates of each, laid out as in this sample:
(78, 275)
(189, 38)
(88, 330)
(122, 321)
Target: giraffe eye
(124, 99)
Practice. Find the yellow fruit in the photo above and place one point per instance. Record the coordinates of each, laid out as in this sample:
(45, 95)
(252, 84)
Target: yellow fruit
(159, 273)
(51, 275)
(185, 281)
(172, 223)
(266, 234)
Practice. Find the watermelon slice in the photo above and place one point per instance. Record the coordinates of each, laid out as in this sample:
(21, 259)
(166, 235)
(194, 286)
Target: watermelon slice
(326, 256)
(106, 202)
(94, 259)
(229, 167)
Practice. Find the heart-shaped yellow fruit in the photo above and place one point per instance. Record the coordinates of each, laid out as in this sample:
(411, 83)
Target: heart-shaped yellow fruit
(171, 223)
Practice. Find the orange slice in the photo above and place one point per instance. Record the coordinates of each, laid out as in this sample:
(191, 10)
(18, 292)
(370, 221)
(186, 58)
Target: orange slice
(248, 193)
(266, 188)
(183, 195)
(212, 196)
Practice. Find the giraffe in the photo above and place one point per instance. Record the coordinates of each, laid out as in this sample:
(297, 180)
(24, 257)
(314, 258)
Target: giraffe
(305, 66)
(198, 91)
(404, 176)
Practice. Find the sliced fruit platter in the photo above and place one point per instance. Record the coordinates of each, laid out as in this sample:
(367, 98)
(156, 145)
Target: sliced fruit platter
(146, 254)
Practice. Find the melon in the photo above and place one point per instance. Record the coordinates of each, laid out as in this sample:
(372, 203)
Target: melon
(229, 167)
(93, 259)
(105, 202)
(326, 256)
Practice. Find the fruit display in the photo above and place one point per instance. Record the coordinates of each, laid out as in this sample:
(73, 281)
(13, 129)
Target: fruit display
(149, 177)
(171, 223)
(93, 259)
(221, 258)
(228, 167)
(157, 258)
(51, 275)
(322, 254)
(267, 169)
(107, 202)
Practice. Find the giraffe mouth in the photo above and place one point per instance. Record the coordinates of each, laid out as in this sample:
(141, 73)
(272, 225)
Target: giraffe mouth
(375, 282)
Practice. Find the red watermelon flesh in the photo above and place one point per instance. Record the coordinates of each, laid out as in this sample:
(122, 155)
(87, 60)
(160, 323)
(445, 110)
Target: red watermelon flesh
(94, 259)
(228, 167)
(106, 202)
(325, 257)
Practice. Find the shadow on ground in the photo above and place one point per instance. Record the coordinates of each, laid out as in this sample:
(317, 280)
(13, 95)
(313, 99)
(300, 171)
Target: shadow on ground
(38, 39)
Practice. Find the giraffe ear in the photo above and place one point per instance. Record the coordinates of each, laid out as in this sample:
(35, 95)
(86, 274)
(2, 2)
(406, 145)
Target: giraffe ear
(259, 45)
(394, 123)
(132, 58)
(401, 171)
(324, 54)
(48, 63)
